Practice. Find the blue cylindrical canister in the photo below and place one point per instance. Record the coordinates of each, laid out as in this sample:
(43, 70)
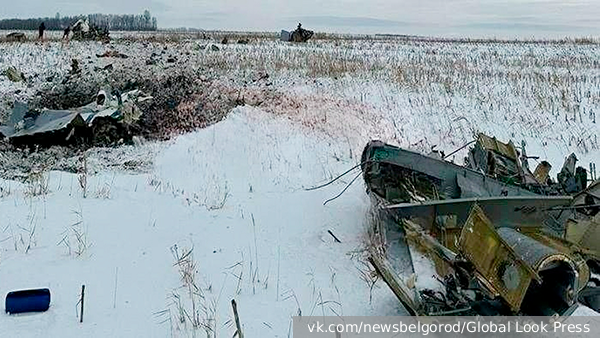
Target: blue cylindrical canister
(34, 300)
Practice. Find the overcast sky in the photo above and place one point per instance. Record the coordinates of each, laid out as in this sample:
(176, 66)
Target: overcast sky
(476, 18)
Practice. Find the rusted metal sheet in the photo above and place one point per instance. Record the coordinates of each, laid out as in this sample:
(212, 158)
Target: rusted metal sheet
(542, 171)
(491, 143)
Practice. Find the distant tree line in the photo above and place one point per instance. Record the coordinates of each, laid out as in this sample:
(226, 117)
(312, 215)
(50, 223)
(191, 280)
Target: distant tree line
(115, 22)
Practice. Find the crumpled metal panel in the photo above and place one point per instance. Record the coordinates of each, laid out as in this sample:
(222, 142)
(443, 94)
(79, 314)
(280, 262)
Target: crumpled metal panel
(479, 184)
(50, 120)
(505, 149)
(586, 233)
(285, 36)
(16, 116)
(509, 211)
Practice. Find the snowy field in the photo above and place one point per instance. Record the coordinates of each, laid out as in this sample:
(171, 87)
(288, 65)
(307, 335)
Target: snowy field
(234, 193)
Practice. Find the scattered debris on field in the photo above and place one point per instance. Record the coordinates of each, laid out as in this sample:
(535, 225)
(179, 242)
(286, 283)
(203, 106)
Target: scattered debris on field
(112, 54)
(14, 75)
(16, 37)
(107, 67)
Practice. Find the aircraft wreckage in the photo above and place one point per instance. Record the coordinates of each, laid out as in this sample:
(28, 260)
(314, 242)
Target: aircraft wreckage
(102, 122)
(501, 239)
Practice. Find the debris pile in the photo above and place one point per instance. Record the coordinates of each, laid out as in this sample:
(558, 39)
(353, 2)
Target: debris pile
(298, 35)
(16, 37)
(106, 121)
(503, 240)
(14, 75)
(112, 54)
(502, 162)
(82, 30)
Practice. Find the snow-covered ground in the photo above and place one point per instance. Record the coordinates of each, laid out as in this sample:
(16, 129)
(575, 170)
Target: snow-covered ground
(234, 192)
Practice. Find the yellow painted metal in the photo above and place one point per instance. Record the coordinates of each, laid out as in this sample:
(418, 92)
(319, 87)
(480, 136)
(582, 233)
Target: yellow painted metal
(494, 259)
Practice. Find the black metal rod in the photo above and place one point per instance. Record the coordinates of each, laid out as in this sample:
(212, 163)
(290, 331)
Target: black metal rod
(238, 326)
(82, 297)
(332, 235)
(459, 149)
(581, 206)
